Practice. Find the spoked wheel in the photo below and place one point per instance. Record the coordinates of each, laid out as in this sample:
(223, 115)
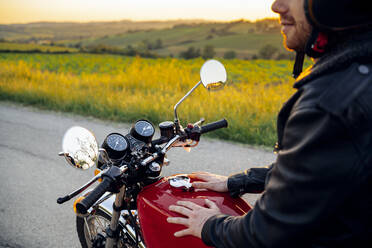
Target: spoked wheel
(92, 231)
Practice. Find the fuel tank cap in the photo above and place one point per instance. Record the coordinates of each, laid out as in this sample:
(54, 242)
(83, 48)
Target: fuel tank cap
(180, 181)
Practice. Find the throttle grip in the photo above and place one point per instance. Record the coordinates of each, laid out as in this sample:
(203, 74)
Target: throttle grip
(83, 206)
(213, 126)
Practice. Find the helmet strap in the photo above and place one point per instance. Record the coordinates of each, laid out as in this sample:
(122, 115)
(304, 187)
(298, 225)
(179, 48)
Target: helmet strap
(299, 64)
(315, 47)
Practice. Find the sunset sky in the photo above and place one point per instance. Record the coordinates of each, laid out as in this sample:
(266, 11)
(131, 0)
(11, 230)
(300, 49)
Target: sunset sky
(23, 11)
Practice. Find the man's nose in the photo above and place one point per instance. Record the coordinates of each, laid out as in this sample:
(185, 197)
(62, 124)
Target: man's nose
(279, 6)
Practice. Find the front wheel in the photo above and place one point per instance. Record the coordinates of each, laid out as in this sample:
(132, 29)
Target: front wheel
(92, 231)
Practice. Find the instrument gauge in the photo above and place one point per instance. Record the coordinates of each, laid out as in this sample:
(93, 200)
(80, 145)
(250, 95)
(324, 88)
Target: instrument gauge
(116, 146)
(143, 130)
(117, 142)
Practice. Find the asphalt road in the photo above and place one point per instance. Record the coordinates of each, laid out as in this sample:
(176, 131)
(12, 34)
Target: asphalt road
(32, 176)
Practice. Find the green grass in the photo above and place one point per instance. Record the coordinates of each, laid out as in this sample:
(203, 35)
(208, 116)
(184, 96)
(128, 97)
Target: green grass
(128, 88)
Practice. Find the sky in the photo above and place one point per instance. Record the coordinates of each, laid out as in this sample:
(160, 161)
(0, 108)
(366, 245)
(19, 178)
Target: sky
(24, 11)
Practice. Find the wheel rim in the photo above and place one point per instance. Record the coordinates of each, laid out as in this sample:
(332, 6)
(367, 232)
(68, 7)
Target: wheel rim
(93, 225)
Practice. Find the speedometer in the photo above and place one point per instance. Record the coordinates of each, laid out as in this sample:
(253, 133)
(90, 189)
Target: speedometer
(116, 145)
(117, 142)
(143, 130)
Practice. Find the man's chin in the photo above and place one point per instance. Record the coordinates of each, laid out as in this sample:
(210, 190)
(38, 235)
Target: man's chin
(287, 44)
(292, 46)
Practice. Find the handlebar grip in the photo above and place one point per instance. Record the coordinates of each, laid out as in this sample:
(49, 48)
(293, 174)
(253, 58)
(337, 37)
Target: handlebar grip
(83, 206)
(213, 126)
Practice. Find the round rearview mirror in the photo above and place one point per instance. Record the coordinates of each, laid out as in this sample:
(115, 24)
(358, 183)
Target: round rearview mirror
(80, 148)
(213, 75)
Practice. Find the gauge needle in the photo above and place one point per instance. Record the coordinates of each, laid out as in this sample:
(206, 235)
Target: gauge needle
(144, 129)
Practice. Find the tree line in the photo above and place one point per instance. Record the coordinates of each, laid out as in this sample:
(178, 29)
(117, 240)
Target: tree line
(148, 49)
(267, 51)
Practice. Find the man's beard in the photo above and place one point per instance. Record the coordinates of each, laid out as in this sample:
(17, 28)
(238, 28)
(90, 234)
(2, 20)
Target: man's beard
(299, 39)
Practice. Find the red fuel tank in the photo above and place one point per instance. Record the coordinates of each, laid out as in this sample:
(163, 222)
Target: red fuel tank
(153, 203)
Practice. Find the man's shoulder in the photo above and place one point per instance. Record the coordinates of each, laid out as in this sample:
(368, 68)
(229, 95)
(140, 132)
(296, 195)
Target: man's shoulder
(335, 91)
(346, 87)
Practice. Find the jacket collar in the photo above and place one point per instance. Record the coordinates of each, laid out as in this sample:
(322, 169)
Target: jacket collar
(358, 48)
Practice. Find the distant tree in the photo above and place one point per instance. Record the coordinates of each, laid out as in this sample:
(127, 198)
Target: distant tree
(102, 48)
(131, 51)
(146, 45)
(286, 55)
(261, 26)
(208, 52)
(209, 37)
(158, 44)
(267, 25)
(229, 55)
(190, 53)
(238, 21)
(78, 45)
(267, 51)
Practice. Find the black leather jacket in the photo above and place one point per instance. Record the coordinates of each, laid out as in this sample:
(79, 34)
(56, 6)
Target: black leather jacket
(318, 193)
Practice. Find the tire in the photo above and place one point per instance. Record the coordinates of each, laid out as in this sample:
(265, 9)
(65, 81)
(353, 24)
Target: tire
(103, 219)
(82, 230)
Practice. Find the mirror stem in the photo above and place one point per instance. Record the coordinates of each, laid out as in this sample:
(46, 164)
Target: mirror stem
(176, 121)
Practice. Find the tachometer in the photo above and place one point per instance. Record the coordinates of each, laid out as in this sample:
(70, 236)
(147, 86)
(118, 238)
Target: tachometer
(116, 145)
(143, 130)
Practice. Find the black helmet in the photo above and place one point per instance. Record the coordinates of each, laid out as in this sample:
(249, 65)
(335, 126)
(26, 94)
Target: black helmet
(337, 15)
(331, 16)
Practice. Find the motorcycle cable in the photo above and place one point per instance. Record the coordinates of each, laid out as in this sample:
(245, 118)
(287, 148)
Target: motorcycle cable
(134, 222)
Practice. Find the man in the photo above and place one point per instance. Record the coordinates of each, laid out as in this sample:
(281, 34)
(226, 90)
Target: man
(318, 193)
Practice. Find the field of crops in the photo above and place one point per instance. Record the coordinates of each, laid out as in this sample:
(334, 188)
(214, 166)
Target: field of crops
(128, 88)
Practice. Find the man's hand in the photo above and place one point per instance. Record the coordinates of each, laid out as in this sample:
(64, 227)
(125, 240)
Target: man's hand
(210, 181)
(196, 216)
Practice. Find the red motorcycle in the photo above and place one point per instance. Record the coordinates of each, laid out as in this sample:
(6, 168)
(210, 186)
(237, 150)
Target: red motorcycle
(129, 207)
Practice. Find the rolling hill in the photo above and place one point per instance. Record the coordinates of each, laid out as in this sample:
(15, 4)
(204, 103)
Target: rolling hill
(165, 38)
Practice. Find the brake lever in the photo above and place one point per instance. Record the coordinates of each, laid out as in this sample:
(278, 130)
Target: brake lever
(68, 197)
(200, 122)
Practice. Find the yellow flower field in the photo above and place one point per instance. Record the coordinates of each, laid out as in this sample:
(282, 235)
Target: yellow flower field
(125, 89)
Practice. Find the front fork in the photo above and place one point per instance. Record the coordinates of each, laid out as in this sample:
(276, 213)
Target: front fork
(117, 221)
(113, 232)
